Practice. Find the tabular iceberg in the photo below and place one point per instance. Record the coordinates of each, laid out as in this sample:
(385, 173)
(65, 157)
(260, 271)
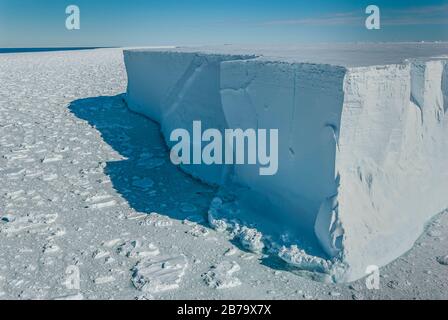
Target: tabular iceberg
(363, 137)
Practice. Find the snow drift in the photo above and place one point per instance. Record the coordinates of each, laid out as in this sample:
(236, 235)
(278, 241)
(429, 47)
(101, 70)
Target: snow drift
(362, 144)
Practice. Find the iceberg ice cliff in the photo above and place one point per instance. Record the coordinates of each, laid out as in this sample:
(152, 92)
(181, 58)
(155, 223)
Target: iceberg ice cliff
(363, 137)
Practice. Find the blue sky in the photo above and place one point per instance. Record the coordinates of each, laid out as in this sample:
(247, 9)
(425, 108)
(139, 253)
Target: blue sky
(41, 23)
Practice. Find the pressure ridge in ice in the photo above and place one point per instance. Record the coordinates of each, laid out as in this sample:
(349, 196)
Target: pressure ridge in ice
(363, 139)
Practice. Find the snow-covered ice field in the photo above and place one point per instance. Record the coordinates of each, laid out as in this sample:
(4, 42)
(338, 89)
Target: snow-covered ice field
(81, 186)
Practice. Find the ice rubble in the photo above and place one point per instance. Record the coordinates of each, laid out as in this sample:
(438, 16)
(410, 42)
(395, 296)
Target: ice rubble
(363, 136)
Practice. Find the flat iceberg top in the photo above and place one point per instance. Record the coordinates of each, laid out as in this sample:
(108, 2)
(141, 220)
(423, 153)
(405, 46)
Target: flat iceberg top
(343, 54)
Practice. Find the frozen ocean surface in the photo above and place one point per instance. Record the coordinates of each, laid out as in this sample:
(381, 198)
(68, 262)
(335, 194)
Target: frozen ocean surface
(81, 186)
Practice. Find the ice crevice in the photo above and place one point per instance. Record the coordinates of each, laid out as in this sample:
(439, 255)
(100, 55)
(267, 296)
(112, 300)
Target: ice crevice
(362, 149)
(177, 93)
(445, 88)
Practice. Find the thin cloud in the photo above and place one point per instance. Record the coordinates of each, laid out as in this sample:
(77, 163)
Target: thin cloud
(341, 18)
(425, 15)
(413, 21)
(440, 9)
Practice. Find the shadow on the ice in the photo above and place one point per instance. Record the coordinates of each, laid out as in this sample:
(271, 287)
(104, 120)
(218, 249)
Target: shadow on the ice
(142, 172)
(144, 176)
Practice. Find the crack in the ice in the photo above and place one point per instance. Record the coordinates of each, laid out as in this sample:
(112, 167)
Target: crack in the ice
(444, 85)
(177, 93)
(293, 111)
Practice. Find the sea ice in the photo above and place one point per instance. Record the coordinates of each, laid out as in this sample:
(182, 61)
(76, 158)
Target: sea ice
(56, 116)
(443, 260)
(222, 276)
(251, 239)
(160, 273)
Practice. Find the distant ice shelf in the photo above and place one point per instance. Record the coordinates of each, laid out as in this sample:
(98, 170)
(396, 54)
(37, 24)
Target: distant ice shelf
(363, 137)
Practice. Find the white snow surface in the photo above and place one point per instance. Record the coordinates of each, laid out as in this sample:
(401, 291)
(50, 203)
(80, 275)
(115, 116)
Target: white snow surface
(363, 137)
(87, 183)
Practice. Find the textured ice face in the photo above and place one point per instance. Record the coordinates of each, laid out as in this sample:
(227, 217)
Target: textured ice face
(361, 146)
(392, 144)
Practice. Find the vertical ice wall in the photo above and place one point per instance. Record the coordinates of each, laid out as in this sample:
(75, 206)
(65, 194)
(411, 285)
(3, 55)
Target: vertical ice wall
(362, 150)
(445, 87)
(304, 102)
(391, 161)
(175, 89)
